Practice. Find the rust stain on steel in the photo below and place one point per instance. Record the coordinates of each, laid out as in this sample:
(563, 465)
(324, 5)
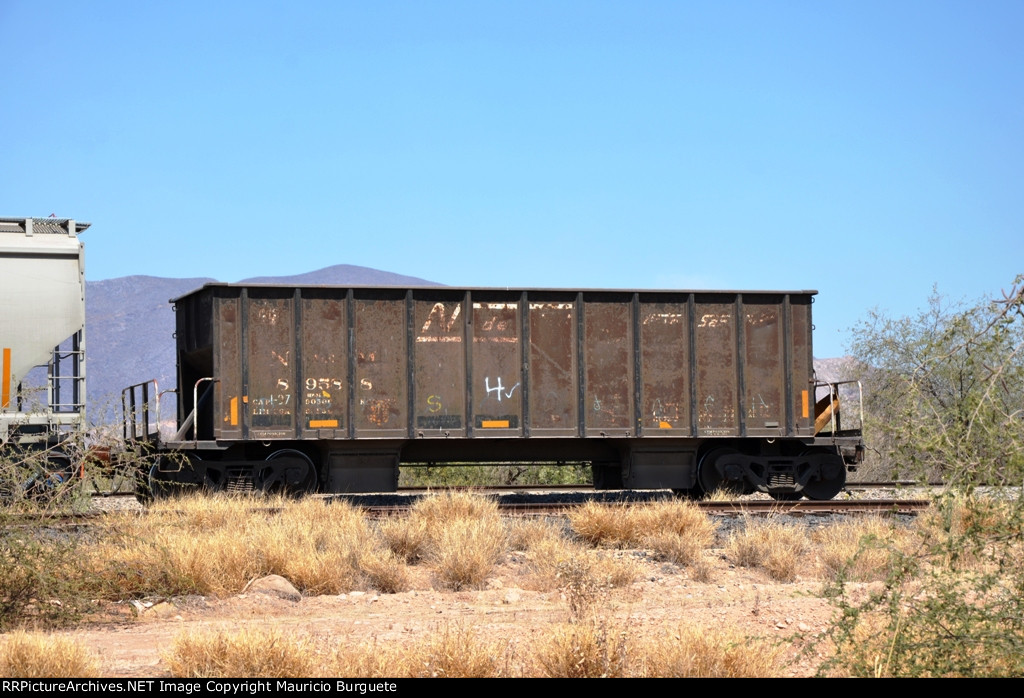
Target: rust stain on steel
(497, 365)
(324, 370)
(717, 388)
(439, 366)
(665, 367)
(608, 351)
(381, 382)
(271, 381)
(552, 368)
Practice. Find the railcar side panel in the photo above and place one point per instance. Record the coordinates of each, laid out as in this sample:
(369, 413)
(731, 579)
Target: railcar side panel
(553, 376)
(655, 388)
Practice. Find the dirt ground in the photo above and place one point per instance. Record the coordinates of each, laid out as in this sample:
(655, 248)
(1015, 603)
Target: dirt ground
(132, 642)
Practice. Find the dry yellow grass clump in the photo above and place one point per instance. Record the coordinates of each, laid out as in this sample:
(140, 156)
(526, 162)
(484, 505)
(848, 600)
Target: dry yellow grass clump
(217, 545)
(859, 550)
(692, 652)
(35, 656)
(246, 653)
(675, 530)
(318, 546)
(595, 647)
(465, 537)
(779, 549)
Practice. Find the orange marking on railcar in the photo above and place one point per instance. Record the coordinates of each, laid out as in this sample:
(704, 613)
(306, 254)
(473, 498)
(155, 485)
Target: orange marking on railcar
(806, 401)
(494, 424)
(5, 390)
(322, 423)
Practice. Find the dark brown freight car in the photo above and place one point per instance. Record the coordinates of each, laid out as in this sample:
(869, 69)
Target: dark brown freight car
(331, 389)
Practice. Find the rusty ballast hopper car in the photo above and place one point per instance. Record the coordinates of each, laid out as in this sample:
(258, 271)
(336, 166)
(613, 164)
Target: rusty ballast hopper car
(331, 388)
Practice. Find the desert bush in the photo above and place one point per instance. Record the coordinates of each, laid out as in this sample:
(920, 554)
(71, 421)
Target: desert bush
(946, 388)
(36, 656)
(585, 592)
(32, 482)
(947, 402)
(692, 652)
(39, 579)
(951, 605)
(244, 653)
(777, 548)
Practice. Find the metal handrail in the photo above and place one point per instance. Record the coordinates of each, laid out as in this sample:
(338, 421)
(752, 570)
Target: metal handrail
(833, 387)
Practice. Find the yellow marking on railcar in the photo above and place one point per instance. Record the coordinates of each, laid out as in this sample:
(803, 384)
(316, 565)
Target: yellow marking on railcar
(664, 425)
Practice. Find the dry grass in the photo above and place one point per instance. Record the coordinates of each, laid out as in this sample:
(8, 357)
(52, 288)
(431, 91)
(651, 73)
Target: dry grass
(384, 571)
(528, 534)
(779, 549)
(612, 525)
(859, 550)
(692, 652)
(465, 551)
(34, 656)
(316, 546)
(593, 649)
(464, 537)
(437, 509)
(246, 653)
(554, 562)
(216, 545)
(456, 653)
(676, 530)
(405, 536)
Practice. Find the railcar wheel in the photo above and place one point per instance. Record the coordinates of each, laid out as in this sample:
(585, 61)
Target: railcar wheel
(831, 478)
(295, 473)
(191, 476)
(714, 474)
(50, 479)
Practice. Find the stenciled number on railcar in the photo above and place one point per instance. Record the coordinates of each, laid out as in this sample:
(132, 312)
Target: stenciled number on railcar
(715, 320)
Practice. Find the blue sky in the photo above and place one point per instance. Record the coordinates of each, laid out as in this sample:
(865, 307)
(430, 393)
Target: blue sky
(864, 149)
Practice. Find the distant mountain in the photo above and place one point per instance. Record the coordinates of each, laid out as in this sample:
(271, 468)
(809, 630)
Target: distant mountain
(343, 275)
(129, 331)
